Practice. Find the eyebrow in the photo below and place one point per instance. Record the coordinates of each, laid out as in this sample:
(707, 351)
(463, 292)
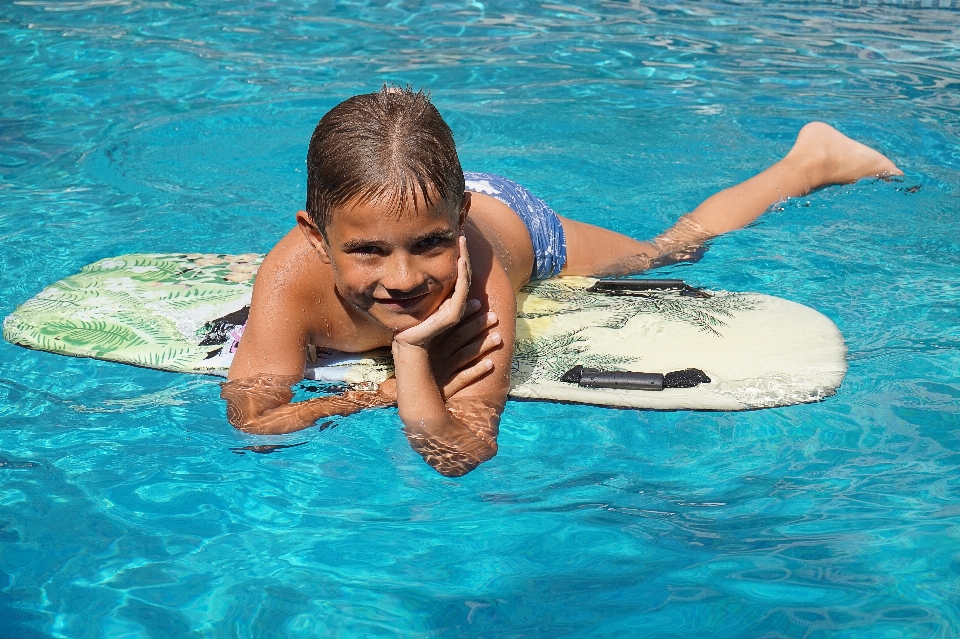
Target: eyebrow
(358, 242)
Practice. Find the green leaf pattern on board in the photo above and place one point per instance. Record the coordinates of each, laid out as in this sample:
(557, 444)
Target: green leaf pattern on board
(552, 356)
(141, 309)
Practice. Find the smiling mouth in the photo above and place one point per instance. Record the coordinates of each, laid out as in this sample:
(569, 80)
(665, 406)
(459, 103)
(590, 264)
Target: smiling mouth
(403, 303)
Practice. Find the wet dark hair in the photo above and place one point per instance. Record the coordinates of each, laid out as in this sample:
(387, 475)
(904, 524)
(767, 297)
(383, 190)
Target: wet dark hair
(392, 146)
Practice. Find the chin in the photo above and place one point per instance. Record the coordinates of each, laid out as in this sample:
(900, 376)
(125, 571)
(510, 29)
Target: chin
(396, 322)
(400, 321)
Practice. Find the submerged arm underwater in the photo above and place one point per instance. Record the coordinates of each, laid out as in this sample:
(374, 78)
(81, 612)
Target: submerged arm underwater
(455, 432)
(261, 404)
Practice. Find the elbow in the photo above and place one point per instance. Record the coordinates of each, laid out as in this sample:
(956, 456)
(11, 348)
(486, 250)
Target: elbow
(251, 429)
(491, 451)
(457, 464)
(455, 472)
(252, 425)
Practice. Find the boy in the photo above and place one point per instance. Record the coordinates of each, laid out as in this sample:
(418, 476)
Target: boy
(398, 247)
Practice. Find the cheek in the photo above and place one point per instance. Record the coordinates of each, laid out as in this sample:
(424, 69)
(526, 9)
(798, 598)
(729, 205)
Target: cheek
(444, 268)
(353, 278)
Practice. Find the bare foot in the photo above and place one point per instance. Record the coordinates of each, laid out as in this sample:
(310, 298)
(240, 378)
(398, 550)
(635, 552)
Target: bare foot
(833, 158)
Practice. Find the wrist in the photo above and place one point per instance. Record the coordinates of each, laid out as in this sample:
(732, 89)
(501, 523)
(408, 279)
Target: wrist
(419, 401)
(366, 399)
(404, 351)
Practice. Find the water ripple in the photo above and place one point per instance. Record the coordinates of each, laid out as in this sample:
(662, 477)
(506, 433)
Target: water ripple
(138, 125)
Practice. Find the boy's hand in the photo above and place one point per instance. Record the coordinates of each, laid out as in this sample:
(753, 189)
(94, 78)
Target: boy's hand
(447, 315)
(458, 357)
(457, 337)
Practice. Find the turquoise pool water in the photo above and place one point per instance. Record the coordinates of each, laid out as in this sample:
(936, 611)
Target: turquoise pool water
(140, 125)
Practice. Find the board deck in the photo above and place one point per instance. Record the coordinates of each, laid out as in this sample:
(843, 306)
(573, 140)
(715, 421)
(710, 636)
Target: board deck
(184, 313)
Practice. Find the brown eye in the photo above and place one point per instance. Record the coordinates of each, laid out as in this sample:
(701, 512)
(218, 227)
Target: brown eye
(430, 242)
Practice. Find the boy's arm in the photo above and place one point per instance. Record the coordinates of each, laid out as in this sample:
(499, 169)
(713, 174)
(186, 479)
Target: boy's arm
(269, 361)
(271, 358)
(277, 330)
(260, 403)
(455, 434)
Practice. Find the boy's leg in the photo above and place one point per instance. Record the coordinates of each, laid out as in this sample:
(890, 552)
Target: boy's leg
(596, 251)
(820, 157)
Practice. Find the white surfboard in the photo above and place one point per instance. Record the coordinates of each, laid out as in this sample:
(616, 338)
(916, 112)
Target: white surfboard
(184, 312)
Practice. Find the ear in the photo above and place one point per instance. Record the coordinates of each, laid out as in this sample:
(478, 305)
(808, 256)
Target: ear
(464, 209)
(313, 236)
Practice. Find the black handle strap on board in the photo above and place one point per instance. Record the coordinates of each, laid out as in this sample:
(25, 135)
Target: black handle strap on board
(629, 380)
(645, 287)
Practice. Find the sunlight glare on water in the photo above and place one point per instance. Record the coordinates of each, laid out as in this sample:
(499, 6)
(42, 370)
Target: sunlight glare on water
(130, 508)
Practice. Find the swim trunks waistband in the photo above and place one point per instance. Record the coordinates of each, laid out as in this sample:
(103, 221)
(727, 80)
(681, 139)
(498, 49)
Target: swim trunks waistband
(546, 231)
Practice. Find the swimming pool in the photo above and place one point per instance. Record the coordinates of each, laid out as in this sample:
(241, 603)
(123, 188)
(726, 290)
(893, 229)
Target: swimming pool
(130, 508)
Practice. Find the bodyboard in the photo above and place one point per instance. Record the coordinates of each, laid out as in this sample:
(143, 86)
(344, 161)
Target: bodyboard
(185, 313)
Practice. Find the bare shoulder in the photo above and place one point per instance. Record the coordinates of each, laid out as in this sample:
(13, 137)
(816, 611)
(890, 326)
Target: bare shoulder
(286, 269)
(291, 282)
(284, 307)
(492, 285)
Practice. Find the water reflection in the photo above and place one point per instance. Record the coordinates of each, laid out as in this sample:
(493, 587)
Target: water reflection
(262, 405)
(471, 441)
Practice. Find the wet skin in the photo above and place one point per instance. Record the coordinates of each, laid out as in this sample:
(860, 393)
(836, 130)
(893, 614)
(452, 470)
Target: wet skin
(382, 279)
(350, 297)
(374, 276)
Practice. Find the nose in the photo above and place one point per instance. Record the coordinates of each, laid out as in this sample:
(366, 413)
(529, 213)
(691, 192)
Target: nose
(401, 275)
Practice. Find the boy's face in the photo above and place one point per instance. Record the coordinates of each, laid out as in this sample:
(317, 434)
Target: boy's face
(396, 268)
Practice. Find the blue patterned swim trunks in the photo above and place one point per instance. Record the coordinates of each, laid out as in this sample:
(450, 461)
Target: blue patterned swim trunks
(546, 232)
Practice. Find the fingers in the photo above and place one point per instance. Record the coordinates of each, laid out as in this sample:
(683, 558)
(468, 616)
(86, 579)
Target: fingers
(444, 349)
(461, 289)
(469, 328)
(470, 352)
(466, 377)
(465, 258)
(388, 389)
